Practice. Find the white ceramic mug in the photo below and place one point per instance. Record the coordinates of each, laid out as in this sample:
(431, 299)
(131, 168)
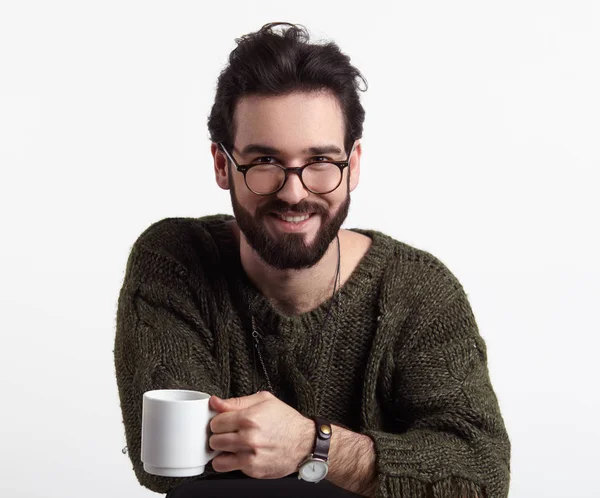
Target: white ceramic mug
(175, 432)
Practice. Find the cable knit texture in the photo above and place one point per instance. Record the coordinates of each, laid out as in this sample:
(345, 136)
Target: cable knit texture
(400, 359)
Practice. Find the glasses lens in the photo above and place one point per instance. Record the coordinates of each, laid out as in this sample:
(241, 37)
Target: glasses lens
(322, 177)
(265, 178)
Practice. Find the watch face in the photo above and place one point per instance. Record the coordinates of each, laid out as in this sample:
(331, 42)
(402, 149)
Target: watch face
(313, 471)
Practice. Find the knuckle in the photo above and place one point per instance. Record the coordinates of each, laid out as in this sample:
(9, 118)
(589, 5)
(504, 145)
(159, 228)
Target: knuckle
(252, 441)
(250, 421)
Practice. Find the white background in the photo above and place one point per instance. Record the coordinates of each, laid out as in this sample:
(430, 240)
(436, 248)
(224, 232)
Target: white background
(480, 146)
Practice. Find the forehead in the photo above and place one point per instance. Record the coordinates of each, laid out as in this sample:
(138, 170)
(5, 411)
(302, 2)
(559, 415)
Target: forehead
(289, 122)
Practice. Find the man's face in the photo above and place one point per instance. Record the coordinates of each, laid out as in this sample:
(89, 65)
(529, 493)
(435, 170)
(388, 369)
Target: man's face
(293, 130)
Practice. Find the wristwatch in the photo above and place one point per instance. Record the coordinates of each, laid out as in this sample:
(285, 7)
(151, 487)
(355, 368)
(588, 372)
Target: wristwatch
(315, 467)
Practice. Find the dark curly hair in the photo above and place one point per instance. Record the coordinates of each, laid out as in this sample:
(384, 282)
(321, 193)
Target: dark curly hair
(278, 59)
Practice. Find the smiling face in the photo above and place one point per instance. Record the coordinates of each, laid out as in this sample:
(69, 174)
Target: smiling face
(293, 227)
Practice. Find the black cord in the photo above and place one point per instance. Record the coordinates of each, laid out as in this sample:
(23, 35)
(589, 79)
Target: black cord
(336, 284)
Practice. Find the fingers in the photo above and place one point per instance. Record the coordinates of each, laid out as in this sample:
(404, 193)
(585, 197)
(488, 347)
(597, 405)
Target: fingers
(233, 404)
(225, 422)
(232, 419)
(230, 442)
(245, 462)
(227, 462)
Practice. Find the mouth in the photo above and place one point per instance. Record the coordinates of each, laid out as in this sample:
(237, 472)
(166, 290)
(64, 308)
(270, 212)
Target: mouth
(293, 218)
(292, 222)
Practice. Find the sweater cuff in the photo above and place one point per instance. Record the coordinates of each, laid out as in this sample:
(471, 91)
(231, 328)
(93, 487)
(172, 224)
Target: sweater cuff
(409, 487)
(422, 464)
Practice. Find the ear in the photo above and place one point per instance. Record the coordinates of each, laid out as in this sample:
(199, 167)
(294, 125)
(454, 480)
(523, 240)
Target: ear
(354, 168)
(220, 164)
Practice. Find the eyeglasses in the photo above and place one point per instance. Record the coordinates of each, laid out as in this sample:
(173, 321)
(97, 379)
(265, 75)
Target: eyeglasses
(267, 178)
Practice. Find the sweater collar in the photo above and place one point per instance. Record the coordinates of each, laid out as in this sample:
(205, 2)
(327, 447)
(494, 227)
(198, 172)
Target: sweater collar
(364, 279)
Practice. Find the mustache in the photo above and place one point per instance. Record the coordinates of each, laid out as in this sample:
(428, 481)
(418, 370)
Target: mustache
(279, 206)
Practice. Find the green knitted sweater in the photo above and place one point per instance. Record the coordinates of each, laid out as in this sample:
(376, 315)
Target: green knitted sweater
(400, 359)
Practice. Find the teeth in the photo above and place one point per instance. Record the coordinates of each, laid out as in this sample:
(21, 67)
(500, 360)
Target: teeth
(294, 219)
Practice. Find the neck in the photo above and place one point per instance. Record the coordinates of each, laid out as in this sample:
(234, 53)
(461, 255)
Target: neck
(292, 291)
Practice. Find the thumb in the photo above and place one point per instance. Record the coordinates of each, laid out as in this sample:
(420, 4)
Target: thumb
(218, 404)
(235, 404)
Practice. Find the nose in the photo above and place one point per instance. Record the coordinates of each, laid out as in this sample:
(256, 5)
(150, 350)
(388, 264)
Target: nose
(293, 191)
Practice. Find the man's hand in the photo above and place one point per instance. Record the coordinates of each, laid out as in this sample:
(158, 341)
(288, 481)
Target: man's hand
(261, 435)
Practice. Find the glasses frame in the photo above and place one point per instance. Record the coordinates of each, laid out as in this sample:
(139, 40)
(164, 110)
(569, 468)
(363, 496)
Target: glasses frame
(244, 168)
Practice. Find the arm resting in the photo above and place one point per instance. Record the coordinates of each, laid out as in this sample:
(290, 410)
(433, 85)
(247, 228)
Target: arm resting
(160, 343)
(443, 434)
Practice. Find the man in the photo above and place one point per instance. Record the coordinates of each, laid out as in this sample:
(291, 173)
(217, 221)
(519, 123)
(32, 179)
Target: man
(328, 351)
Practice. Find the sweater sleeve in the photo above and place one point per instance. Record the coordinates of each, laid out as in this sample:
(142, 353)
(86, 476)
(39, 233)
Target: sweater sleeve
(444, 435)
(161, 342)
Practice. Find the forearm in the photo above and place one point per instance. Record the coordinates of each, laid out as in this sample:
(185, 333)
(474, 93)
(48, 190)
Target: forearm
(352, 462)
(152, 348)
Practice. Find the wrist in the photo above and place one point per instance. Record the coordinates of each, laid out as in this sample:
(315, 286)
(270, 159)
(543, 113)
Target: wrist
(315, 467)
(353, 462)
(307, 440)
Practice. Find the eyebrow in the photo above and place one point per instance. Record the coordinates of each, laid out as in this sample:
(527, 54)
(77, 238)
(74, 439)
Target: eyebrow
(313, 151)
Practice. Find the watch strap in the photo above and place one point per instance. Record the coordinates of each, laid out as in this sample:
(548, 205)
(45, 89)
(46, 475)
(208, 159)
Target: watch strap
(322, 439)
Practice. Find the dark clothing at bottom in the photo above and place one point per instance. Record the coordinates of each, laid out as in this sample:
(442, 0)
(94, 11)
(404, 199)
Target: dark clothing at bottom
(237, 484)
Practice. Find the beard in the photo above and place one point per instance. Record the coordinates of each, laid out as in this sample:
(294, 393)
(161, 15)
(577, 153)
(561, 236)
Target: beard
(288, 250)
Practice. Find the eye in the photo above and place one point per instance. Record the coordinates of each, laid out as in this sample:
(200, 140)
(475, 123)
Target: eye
(264, 160)
(320, 159)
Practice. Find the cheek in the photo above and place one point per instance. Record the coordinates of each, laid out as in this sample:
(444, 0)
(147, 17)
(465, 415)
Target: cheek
(335, 200)
(245, 198)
